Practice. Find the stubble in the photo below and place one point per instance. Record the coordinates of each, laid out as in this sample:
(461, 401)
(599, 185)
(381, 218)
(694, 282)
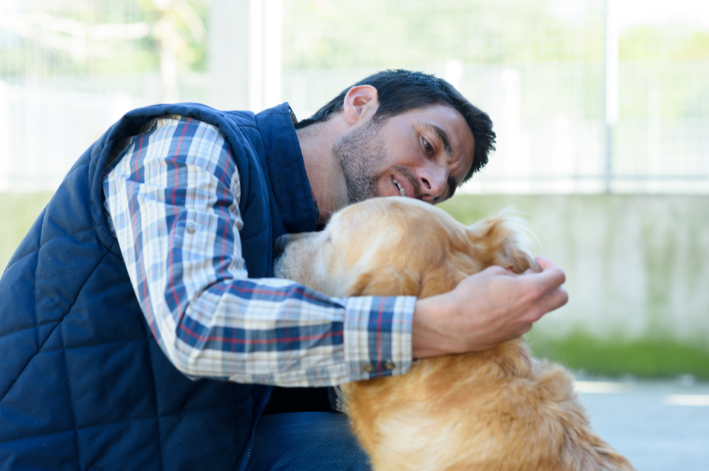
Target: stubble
(359, 154)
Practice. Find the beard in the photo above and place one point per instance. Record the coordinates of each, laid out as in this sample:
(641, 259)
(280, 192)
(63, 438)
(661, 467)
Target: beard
(360, 153)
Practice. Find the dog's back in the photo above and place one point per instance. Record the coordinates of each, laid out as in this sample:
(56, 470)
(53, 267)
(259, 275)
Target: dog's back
(495, 410)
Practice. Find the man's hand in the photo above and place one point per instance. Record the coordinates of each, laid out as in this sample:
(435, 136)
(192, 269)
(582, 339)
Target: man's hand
(486, 309)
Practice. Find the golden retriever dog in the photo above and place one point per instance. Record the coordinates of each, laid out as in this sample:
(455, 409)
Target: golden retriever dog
(495, 410)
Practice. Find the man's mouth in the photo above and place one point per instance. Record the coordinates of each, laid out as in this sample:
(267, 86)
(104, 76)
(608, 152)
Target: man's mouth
(399, 186)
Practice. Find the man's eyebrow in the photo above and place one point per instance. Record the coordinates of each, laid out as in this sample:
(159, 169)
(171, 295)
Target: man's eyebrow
(442, 136)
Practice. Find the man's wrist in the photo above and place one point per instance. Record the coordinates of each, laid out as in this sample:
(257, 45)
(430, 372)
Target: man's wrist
(428, 336)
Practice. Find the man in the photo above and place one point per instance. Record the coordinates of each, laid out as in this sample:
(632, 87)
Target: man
(151, 265)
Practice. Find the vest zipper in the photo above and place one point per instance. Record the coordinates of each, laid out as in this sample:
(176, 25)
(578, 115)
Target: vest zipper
(253, 432)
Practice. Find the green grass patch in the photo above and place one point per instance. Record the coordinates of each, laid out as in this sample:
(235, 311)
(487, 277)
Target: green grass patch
(644, 358)
(18, 211)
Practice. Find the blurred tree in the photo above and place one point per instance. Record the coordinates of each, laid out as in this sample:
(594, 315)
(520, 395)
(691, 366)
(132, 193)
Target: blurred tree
(127, 37)
(374, 33)
(369, 33)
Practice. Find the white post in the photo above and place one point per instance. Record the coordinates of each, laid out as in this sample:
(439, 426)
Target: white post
(246, 53)
(654, 130)
(229, 54)
(611, 85)
(511, 144)
(4, 136)
(272, 52)
(256, 54)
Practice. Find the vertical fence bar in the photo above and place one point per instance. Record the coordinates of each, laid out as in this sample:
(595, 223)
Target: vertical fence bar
(611, 86)
(229, 53)
(4, 137)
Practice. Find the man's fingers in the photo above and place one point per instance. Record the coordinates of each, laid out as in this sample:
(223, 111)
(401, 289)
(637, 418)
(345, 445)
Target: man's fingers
(551, 276)
(549, 302)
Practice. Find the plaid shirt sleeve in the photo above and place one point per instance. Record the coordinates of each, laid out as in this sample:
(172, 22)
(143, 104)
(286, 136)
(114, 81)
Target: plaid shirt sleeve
(172, 199)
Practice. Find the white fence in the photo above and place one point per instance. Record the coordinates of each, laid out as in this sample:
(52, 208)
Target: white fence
(547, 142)
(551, 117)
(43, 132)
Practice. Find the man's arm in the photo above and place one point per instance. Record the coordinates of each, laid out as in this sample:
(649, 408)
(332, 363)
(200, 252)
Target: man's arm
(174, 201)
(486, 309)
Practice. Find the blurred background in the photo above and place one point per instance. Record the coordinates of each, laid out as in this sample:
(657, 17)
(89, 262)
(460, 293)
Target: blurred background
(602, 114)
(601, 109)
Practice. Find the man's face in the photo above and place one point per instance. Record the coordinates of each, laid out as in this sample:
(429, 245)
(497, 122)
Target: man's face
(423, 153)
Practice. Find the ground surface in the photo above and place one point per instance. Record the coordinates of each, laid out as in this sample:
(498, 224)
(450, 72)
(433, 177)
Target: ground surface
(658, 426)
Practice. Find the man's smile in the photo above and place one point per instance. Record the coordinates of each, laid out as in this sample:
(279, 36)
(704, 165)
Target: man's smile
(402, 183)
(399, 186)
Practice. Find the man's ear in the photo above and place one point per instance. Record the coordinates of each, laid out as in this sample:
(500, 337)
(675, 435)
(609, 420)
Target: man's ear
(360, 102)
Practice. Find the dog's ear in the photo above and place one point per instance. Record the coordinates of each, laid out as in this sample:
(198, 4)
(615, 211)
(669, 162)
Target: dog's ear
(503, 240)
(444, 277)
(429, 281)
(386, 282)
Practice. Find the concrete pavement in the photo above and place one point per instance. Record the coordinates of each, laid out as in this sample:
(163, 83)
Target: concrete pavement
(658, 426)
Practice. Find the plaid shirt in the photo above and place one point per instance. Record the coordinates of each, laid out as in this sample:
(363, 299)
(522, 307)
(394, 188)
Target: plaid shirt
(172, 198)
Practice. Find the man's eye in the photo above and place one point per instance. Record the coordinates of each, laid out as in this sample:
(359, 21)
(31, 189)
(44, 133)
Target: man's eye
(428, 147)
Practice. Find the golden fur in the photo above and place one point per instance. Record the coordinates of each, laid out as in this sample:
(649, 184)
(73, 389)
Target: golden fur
(495, 410)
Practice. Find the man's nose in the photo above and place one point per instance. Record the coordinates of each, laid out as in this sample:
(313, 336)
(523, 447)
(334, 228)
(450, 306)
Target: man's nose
(433, 184)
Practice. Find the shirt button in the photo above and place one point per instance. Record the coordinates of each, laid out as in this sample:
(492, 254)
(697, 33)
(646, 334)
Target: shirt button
(191, 230)
(369, 368)
(389, 365)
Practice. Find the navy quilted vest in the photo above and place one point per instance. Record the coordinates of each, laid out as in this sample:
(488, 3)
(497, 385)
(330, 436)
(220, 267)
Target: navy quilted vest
(83, 384)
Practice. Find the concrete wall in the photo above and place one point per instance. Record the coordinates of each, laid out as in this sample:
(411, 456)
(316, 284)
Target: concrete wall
(637, 266)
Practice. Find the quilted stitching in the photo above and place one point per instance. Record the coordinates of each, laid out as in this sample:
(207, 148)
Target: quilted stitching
(96, 390)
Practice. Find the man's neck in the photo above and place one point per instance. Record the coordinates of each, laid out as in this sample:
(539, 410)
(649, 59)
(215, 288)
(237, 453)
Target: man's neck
(324, 171)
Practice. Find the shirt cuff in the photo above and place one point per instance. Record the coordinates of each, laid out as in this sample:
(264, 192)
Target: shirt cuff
(377, 337)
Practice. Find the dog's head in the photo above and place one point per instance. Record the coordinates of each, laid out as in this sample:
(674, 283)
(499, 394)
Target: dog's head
(400, 246)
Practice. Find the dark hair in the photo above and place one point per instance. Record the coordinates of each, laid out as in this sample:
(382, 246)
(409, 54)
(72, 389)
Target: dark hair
(402, 90)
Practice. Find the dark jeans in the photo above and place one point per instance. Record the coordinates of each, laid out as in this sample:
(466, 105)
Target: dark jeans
(306, 441)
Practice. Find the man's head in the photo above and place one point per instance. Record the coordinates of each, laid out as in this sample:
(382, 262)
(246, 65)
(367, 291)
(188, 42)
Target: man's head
(405, 133)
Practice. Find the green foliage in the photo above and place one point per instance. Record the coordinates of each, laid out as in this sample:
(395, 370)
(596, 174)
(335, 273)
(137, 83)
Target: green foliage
(646, 358)
(662, 70)
(404, 33)
(672, 41)
(38, 56)
(321, 34)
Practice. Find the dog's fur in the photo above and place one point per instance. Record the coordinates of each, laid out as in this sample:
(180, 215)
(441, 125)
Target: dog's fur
(496, 410)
